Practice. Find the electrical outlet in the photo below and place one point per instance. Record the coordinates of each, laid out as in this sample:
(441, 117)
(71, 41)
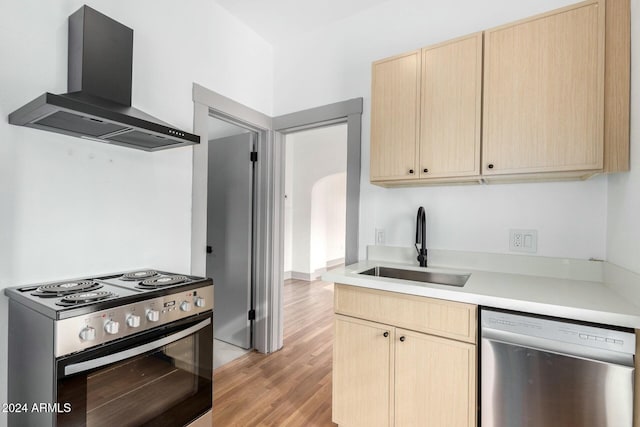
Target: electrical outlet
(380, 237)
(523, 241)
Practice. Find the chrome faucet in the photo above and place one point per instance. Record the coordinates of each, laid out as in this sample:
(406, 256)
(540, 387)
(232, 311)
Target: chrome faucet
(421, 237)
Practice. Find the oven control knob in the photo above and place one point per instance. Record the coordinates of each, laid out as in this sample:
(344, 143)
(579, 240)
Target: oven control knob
(133, 321)
(88, 334)
(111, 327)
(200, 302)
(185, 306)
(153, 315)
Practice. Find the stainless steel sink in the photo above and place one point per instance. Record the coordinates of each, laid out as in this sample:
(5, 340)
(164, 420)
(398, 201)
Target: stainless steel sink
(418, 276)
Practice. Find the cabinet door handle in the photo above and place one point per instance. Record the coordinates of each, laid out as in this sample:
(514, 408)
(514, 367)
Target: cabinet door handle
(386, 334)
(490, 165)
(425, 170)
(402, 338)
(410, 171)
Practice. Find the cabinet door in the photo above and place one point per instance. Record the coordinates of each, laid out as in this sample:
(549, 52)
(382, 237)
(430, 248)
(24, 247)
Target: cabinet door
(362, 374)
(395, 98)
(450, 109)
(543, 93)
(435, 381)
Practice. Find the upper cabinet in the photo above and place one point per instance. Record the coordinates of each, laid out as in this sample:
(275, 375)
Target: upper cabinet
(542, 98)
(450, 109)
(425, 114)
(395, 98)
(544, 90)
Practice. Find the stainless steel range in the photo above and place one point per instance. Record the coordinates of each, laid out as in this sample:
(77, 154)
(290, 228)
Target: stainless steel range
(126, 349)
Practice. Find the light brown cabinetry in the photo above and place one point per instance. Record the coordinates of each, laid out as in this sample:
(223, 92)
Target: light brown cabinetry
(394, 363)
(362, 376)
(425, 114)
(544, 90)
(552, 90)
(434, 381)
(450, 108)
(395, 98)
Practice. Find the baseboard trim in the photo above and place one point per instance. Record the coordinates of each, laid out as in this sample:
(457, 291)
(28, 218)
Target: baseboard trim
(299, 275)
(335, 263)
(317, 274)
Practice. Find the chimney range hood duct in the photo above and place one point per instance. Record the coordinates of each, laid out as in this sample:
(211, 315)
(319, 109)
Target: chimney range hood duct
(98, 104)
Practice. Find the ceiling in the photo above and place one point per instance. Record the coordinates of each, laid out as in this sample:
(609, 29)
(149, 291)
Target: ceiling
(277, 20)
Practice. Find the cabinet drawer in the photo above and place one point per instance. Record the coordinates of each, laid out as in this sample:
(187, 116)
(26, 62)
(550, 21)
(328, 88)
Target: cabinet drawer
(433, 316)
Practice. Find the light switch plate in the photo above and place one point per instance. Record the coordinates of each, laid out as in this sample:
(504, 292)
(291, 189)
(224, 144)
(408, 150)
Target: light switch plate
(523, 241)
(380, 236)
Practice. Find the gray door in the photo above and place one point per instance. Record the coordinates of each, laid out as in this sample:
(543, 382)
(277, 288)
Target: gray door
(229, 234)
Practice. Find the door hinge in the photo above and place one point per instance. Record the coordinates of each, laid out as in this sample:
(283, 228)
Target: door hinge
(254, 156)
(252, 314)
(209, 249)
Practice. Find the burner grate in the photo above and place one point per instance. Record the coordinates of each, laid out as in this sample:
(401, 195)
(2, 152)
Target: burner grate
(161, 282)
(84, 298)
(65, 288)
(139, 275)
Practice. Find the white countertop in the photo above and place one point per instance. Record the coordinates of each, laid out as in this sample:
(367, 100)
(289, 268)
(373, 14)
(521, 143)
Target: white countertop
(572, 299)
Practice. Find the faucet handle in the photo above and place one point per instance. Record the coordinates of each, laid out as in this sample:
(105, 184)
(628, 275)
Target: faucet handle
(422, 256)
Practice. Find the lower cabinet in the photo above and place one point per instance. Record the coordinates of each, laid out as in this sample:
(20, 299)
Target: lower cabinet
(386, 375)
(434, 381)
(362, 359)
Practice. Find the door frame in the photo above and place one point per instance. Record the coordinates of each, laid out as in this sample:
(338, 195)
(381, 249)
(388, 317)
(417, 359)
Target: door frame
(349, 112)
(211, 104)
(269, 187)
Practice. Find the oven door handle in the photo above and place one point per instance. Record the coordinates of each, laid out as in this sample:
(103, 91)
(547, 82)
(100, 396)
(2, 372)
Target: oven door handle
(132, 352)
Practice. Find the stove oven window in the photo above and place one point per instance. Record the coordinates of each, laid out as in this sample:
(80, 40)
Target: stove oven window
(167, 386)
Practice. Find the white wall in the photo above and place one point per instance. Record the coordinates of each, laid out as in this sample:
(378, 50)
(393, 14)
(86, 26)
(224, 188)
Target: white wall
(328, 221)
(70, 207)
(332, 198)
(623, 223)
(334, 64)
(315, 209)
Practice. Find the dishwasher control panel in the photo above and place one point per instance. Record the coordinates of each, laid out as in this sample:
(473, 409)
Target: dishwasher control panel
(563, 330)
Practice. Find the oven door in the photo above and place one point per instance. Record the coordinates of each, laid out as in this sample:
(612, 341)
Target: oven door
(162, 377)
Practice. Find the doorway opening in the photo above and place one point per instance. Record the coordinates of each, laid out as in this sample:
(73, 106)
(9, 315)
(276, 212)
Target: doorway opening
(315, 201)
(230, 235)
(269, 195)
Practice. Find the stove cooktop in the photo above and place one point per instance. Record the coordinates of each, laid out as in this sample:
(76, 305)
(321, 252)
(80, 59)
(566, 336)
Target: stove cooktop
(69, 298)
(147, 280)
(85, 297)
(60, 289)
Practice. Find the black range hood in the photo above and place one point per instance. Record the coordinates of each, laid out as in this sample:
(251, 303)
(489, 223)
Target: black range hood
(98, 104)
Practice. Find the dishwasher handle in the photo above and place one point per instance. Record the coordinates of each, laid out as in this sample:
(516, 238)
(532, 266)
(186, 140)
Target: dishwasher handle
(559, 347)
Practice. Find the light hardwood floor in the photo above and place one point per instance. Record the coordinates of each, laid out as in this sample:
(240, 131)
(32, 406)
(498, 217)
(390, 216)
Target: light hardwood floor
(291, 387)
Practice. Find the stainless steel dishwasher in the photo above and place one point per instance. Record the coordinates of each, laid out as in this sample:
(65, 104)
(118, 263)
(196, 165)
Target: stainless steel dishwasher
(547, 372)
